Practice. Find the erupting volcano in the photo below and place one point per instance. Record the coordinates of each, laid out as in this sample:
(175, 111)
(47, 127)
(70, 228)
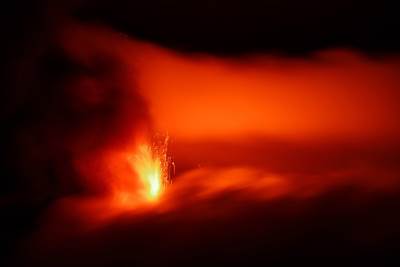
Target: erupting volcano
(152, 165)
(150, 172)
(201, 134)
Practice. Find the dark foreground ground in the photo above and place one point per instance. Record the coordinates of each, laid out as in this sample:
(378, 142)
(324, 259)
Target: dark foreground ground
(342, 208)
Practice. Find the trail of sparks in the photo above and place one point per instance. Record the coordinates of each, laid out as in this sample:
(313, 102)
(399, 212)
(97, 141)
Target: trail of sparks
(152, 165)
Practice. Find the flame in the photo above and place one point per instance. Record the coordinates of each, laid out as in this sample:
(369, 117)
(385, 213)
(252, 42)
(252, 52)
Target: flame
(148, 168)
(151, 163)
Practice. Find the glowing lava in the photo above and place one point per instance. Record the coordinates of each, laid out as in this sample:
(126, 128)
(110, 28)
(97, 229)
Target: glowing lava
(151, 164)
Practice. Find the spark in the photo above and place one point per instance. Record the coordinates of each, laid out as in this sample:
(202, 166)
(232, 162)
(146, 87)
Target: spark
(152, 165)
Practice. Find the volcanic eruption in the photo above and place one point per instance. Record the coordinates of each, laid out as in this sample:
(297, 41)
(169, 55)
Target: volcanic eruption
(133, 149)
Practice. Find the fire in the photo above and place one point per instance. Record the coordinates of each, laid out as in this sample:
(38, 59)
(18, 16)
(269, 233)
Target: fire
(151, 164)
(148, 168)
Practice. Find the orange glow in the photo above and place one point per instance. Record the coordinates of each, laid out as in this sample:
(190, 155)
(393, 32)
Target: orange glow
(339, 94)
(332, 95)
(267, 148)
(148, 166)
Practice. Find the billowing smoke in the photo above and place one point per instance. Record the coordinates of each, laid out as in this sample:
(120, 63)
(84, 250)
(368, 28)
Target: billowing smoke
(339, 94)
(65, 120)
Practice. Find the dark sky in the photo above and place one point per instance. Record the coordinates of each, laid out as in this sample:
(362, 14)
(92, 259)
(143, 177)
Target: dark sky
(226, 26)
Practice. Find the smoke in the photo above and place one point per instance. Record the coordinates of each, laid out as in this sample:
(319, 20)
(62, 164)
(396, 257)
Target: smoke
(339, 94)
(68, 115)
(79, 106)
